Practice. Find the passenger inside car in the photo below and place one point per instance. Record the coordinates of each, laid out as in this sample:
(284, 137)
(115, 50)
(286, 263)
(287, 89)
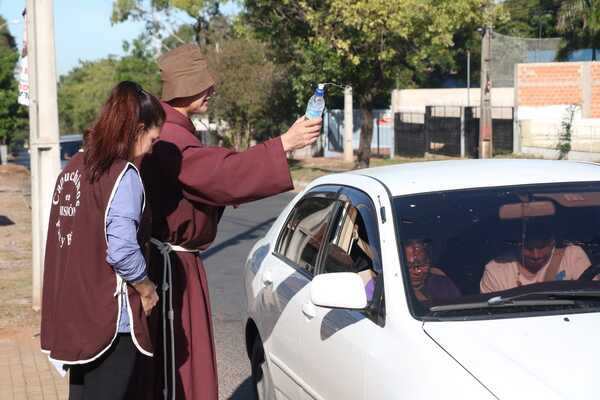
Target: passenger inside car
(539, 258)
(428, 282)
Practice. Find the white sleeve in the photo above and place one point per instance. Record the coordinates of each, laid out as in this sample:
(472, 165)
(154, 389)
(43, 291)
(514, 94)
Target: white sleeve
(489, 282)
(576, 262)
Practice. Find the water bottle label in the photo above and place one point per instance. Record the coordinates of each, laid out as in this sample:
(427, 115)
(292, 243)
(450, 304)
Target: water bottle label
(312, 114)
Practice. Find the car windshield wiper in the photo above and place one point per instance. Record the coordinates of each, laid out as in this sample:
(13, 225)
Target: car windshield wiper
(486, 304)
(547, 295)
(539, 298)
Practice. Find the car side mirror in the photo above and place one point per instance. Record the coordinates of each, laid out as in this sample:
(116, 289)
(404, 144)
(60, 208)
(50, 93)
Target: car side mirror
(338, 290)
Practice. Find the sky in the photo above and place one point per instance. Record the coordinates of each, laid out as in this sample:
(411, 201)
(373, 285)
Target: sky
(82, 29)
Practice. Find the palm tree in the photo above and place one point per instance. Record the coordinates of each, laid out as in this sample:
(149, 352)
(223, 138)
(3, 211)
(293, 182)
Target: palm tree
(581, 14)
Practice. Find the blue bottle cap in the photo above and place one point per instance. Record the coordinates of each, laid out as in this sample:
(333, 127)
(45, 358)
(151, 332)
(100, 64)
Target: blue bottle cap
(320, 89)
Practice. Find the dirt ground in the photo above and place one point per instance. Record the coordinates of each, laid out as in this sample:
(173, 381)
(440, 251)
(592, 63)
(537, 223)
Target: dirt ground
(16, 313)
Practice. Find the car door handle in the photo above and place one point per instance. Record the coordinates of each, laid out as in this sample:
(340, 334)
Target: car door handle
(309, 310)
(267, 277)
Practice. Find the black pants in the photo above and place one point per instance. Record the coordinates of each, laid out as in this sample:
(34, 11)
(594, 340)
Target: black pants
(107, 377)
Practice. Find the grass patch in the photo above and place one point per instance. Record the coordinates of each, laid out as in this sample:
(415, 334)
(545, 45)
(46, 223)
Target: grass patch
(519, 156)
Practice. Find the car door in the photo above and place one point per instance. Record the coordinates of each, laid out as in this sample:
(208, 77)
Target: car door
(334, 342)
(286, 272)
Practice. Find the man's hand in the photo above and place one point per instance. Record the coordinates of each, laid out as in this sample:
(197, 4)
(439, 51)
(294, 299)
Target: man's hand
(147, 291)
(303, 133)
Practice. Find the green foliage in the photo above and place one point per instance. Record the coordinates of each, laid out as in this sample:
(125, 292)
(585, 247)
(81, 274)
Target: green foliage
(530, 18)
(576, 21)
(581, 19)
(152, 11)
(564, 141)
(372, 45)
(84, 89)
(250, 90)
(13, 116)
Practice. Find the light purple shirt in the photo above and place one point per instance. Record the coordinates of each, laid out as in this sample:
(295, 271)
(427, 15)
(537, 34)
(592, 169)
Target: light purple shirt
(124, 252)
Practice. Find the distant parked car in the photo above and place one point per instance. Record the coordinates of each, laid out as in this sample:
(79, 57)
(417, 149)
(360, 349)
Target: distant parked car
(339, 307)
(69, 145)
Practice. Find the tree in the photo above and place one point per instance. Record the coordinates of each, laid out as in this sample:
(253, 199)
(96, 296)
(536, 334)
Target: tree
(248, 91)
(530, 18)
(85, 88)
(372, 45)
(581, 17)
(13, 116)
(82, 91)
(153, 13)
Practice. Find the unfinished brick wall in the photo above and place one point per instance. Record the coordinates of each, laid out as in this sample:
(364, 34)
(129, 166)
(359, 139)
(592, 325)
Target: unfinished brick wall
(560, 83)
(595, 107)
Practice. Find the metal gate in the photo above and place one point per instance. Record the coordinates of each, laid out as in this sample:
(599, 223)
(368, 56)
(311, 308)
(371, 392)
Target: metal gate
(442, 130)
(410, 134)
(439, 131)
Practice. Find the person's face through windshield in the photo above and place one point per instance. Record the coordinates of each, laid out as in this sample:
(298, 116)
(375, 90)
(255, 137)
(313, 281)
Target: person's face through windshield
(536, 253)
(418, 262)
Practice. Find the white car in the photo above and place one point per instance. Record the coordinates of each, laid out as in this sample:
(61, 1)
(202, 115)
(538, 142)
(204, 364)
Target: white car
(454, 279)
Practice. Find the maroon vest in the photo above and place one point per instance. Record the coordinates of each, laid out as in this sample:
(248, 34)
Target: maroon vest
(80, 301)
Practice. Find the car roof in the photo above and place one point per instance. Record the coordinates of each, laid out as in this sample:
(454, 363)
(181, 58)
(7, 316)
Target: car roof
(71, 138)
(433, 176)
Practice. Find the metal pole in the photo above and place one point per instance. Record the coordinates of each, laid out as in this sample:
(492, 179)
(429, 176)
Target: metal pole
(468, 78)
(44, 134)
(377, 122)
(462, 132)
(485, 117)
(348, 125)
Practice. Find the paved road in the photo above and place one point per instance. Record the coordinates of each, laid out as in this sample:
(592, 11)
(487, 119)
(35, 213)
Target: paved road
(238, 231)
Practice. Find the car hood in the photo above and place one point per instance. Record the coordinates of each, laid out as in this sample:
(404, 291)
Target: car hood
(549, 357)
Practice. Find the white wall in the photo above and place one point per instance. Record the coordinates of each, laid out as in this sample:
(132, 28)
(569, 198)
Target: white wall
(547, 113)
(545, 134)
(415, 100)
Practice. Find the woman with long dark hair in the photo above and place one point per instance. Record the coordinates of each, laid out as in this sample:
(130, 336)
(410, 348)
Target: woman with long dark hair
(96, 289)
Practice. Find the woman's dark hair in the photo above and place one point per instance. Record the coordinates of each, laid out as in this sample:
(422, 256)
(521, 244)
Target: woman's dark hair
(113, 134)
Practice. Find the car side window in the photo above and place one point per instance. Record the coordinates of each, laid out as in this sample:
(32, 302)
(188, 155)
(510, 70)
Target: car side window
(304, 232)
(353, 244)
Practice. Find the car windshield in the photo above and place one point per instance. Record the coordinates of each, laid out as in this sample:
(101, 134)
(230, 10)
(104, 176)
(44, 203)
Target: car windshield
(497, 251)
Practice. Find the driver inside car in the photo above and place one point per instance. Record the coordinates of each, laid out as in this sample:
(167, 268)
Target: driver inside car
(538, 259)
(429, 283)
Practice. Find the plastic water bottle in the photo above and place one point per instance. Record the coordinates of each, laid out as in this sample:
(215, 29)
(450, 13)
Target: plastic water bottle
(316, 104)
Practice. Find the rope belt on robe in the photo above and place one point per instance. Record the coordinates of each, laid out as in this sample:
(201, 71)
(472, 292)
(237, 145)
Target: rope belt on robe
(165, 250)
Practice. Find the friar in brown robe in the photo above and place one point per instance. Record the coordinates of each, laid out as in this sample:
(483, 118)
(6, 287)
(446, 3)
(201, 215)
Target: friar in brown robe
(188, 185)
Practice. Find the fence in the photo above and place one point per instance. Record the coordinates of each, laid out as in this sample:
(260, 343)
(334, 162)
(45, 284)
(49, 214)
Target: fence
(451, 131)
(382, 142)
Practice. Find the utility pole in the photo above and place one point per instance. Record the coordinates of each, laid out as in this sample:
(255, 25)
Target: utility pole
(348, 125)
(43, 130)
(485, 114)
(468, 78)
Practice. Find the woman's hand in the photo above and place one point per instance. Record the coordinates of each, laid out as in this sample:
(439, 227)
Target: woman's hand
(147, 291)
(303, 133)
(148, 302)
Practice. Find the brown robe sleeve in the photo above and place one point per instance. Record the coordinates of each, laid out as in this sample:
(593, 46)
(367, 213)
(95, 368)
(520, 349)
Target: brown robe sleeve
(220, 177)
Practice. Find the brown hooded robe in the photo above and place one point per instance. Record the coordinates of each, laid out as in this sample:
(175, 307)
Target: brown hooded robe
(188, 185)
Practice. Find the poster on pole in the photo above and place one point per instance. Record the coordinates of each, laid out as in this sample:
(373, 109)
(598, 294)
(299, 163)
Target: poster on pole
(24, 69)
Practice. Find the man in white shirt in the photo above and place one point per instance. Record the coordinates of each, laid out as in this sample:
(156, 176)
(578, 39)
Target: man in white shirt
(539, 260)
